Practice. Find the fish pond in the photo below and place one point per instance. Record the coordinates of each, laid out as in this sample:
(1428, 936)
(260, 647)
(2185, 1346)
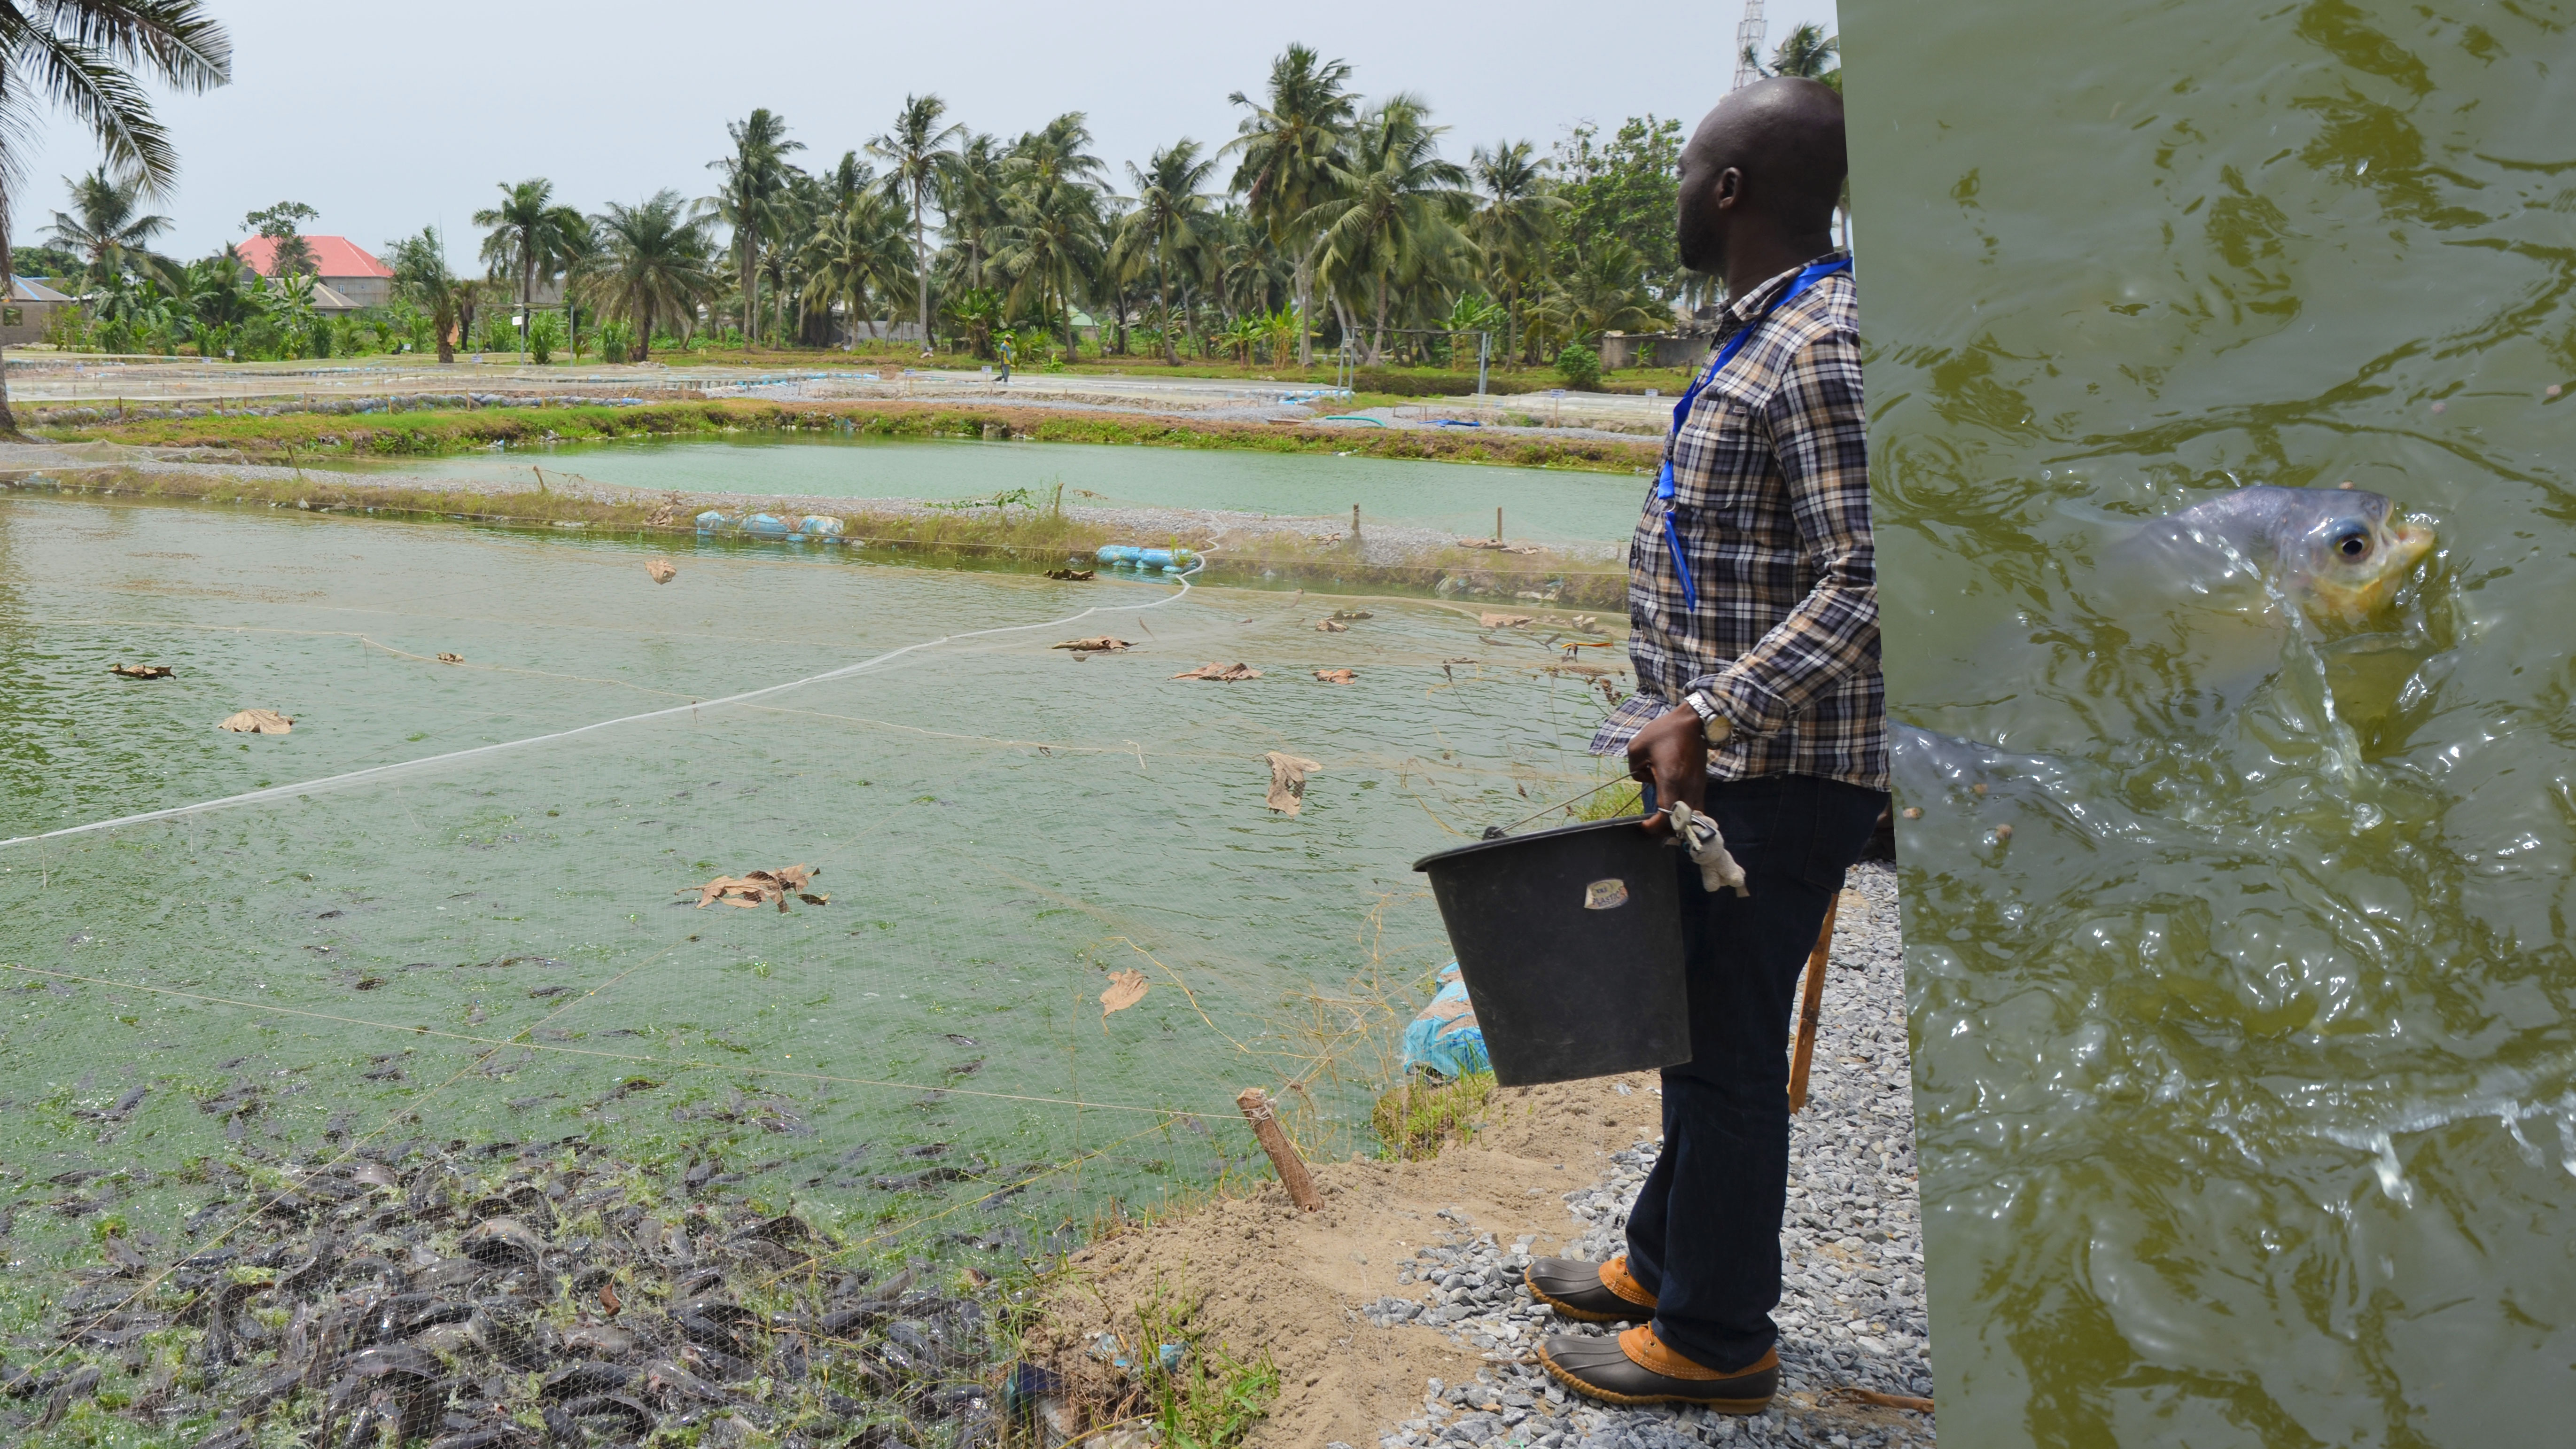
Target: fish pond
(2237, 929)
(1547, 505)
(505, 944)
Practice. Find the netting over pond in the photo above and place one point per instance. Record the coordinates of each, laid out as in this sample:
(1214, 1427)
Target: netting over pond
(497, 947)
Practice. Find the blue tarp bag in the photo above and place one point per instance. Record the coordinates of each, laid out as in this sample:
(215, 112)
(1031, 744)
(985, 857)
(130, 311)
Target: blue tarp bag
(1444, 1038)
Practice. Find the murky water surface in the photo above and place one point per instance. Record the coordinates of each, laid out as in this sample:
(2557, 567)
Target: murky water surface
(1548, 504)
(2245, 1070)
(496, 948)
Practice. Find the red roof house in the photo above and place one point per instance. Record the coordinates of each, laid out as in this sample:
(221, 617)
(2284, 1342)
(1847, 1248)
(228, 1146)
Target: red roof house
(344, 266)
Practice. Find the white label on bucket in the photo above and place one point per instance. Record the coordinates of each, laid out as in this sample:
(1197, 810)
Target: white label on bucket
(1605, 895)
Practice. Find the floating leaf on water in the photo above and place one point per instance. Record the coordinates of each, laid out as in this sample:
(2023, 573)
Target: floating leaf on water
(1353, 614)
(140, 671)
(661, 570)
(1126, 988)
(1331, 626)
(1335, 676)
(1288, 781)
(760, 888)
(446, 658)
(258, 722)
(1220, 671)
(1100, 644)
(1073, 576)
(1504, 621)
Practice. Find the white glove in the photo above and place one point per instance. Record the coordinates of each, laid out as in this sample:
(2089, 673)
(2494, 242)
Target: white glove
(1697, 833)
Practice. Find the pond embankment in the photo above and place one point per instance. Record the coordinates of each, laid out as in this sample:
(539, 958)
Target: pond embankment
(1396, 1317)
(269, 471)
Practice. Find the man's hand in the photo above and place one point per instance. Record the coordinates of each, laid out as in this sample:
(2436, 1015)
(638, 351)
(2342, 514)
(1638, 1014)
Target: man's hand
(1671, 754)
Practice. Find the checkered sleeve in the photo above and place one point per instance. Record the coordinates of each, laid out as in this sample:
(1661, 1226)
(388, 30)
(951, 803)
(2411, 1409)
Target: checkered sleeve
(1816, 422)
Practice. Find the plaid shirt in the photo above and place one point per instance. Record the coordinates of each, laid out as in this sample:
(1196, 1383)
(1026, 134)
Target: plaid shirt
(1771, 497)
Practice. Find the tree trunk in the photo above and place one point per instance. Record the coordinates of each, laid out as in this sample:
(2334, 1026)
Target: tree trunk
(1163, 286)
(750, 284)
(921, 264)
(8, 285)
(1305, 300)
(1377, 333)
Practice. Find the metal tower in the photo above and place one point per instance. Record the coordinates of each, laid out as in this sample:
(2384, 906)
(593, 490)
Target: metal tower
(1748, 44)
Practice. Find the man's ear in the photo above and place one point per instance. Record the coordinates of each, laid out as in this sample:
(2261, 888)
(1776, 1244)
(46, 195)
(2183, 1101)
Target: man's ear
(1728, 189)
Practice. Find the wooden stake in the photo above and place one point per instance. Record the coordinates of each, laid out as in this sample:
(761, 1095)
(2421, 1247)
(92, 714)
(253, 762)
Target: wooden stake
(1811, 1002)
(1292, 1168)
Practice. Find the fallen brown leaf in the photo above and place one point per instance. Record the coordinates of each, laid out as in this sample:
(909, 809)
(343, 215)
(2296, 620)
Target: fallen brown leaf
(1220, 671)
(1335, 676)
(1288, 782)
(140, 671)
(445, 658)
(759, 888)
(258, 722)
(1099, 644)
(1331, 626)
(661, 571)
(1126, 988)
(1504, 621)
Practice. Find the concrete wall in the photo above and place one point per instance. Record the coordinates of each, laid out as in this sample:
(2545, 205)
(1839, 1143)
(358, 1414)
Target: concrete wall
(32, 320)
(365, 291)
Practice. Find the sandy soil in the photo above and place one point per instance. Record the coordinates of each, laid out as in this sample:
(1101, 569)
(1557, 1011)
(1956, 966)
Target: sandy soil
(1294, 1282)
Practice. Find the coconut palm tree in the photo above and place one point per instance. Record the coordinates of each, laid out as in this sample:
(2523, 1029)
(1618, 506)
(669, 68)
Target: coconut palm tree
(1807, 52)
(421, 277)
(1169, 223)
(754, 176)
(1290, 146)
(972, 179)
(84, 56)
(107, 228)
(1396, 208)
(913, 149)
(856, 255)
(655, 262)
(1605, 289)
(1051, 237)
(1515, 217)
(532, 236)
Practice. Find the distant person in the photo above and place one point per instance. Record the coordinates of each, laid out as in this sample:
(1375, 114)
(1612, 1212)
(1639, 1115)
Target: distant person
(1754, 604)
(1006, 362)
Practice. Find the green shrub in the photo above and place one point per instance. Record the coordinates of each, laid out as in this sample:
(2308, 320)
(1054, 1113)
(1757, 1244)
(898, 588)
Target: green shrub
(616, 340)
(545, 334)
(1580, 366)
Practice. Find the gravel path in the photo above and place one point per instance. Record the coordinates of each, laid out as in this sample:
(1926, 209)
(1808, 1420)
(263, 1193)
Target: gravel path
(1852, 1308)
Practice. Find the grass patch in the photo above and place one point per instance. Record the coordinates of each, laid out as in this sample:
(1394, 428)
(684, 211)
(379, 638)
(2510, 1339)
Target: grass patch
(1628, 797)
(1419, 1118)
(1184, 1386)
(289, 436)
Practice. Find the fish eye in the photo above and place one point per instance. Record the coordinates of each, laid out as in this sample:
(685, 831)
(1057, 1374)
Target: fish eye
(2353, 545)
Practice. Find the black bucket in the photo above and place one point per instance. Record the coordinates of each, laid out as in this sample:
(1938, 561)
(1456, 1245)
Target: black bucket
(1570, 944)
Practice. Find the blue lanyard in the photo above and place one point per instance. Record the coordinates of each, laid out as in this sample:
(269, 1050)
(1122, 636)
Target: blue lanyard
(1681, 412)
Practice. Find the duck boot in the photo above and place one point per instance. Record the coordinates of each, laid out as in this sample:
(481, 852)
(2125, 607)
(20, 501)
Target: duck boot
(1590, 1292)
(1637, 1368)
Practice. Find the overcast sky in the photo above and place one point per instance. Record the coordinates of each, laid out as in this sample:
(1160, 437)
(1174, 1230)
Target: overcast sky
(389, 120)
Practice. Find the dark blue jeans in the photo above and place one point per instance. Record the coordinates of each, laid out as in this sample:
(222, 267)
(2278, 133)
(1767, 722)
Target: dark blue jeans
(1704, 1237)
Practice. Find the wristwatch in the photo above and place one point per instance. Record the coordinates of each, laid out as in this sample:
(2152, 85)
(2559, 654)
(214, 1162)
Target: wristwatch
(1713, 726)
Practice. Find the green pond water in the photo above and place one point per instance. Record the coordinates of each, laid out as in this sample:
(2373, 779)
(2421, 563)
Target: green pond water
(1554, 505)
(2245, 1073)
(490, 948)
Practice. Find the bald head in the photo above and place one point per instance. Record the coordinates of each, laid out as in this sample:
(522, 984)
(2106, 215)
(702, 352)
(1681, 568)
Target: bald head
(1767, 162)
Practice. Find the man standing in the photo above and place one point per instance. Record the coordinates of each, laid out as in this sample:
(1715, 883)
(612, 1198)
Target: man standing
(1754, 604)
